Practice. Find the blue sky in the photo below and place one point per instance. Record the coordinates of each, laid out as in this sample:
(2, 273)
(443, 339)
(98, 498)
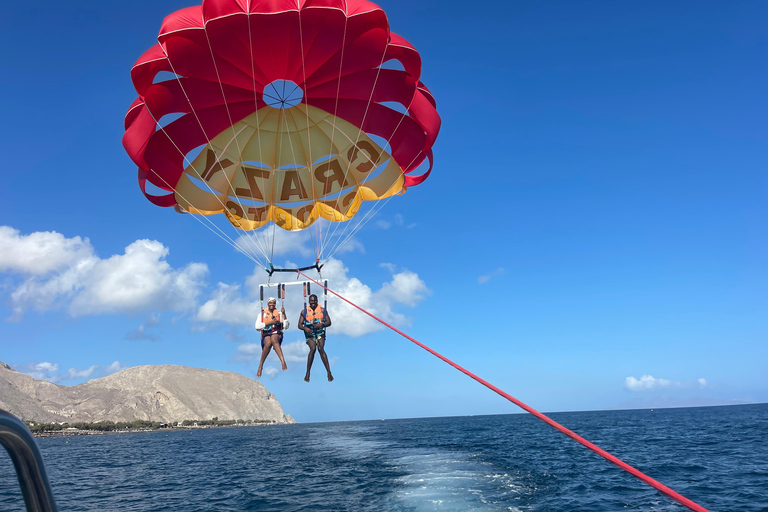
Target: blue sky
(597, 214)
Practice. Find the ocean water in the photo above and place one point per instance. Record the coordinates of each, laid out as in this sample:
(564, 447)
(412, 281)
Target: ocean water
(716, 456)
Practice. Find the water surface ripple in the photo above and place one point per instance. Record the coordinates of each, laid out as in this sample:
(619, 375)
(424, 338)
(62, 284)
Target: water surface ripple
(715, 456)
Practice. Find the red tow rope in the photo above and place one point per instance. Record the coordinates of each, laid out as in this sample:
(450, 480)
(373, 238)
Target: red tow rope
(623, 465)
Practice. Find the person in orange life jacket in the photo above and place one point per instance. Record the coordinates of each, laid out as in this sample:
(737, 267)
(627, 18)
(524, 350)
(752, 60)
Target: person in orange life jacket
(313, 321)
(271, 323)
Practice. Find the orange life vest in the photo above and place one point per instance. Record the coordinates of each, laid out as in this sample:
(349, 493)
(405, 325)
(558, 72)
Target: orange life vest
(311, 315)
(267, 315)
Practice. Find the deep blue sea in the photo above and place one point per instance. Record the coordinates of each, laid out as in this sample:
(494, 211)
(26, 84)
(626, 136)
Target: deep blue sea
(716, 456)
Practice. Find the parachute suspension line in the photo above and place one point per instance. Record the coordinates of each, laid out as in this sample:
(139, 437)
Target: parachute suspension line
(317, 227)
(231, 123)
(293, 154)
(615, 460)
(338, 245)
(378, 206)
(255, 102)
(252, 240)
(335, 116)
(221, 234)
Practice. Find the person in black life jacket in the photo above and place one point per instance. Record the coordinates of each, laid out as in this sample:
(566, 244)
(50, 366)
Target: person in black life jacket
(271, 323)
(313, 321)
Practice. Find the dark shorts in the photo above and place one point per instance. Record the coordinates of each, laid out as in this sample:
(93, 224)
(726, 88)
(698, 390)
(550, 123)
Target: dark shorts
(266, 334)
(315, 335)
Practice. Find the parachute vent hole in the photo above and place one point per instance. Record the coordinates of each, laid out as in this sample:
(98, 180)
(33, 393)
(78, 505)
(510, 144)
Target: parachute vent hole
(283, 94)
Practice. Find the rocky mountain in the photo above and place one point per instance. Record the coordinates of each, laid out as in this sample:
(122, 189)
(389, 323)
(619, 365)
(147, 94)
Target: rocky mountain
(155, 393)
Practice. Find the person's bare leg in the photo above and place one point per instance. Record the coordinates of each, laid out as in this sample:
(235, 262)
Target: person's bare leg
(279, 351)
(324, 357)
(264, 354)
(310, 357)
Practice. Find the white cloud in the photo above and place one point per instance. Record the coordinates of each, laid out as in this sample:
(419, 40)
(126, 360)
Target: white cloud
(74, 373)
(397, 220)
(137, 280)
(40, 252)
(40, 371)
(646, 382)
(229, 306)
(271, 371)
(48, 371)
(405, 288)
(295, 352)
(496, 273)
(47, 367)
(702, 382)
(113, 368)
(66, 272)
(247, 352)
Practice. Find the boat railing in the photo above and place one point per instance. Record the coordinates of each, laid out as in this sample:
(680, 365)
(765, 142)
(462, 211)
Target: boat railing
(30, 470)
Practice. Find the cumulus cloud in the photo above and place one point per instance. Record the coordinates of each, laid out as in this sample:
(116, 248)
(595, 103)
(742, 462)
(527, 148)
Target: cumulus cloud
(702, 382)
(397, 220)
(227, 304)
(247, 352)
(139, 279)
(647, 382)
(49, 372)
(113, 368)
(295, 352)
(41, 252)
(74, 373)
(61, 272)
(271, 371)
(496, 273)
(40, 371)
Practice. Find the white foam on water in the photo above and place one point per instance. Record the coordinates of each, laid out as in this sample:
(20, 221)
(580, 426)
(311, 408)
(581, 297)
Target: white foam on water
(351, 446)
(447, 481)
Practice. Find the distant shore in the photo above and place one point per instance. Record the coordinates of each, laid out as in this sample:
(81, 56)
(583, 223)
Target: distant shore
(101, 428)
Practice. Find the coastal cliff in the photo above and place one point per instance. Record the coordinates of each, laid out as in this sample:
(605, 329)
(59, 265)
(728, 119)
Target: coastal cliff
(165, 393)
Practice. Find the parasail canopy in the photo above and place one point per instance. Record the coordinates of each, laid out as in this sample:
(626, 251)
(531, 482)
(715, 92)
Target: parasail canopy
(279, 111)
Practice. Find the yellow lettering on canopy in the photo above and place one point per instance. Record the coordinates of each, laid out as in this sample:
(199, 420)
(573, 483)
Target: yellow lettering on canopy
(329, 173)
(292, 186)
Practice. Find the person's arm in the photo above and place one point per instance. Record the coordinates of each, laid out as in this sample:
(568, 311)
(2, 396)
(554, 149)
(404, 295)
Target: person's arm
(284, 318)
(326, 319)
(259, 323)
(301, 324)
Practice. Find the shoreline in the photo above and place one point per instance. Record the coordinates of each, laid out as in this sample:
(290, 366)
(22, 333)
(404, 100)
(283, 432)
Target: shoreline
(72, 432)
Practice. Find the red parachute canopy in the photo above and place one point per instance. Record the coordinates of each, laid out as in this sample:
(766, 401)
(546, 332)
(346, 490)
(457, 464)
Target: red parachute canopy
(285, 101)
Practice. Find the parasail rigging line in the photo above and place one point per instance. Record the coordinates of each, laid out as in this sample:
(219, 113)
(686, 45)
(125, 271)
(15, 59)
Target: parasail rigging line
(221, 234)
(254, 241)
(611, 458)
(229, 115)
(378, 205)
(360, 131)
